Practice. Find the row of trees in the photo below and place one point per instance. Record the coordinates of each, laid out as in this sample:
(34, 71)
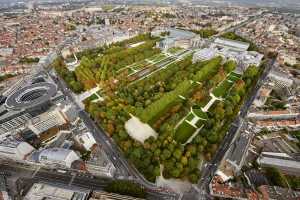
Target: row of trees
(126, 188)
(6, 76)
(28, 60)
(165, 94)
(101, 68)
(156, 109)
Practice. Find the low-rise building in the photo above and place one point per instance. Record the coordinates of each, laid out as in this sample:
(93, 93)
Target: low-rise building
(221, 43)
(262, 96)
(281, 161)
(99, 164)
(57, 157)
(86, 139)
(42, 191)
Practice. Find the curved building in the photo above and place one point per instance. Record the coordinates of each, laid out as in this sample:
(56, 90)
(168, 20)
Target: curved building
(31, 96)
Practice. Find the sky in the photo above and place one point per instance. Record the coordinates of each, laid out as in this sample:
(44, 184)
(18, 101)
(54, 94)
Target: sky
(275, 3)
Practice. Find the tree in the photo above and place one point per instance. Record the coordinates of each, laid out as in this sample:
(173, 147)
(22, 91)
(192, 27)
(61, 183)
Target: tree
(177, 153)
(184, 160)
(275, 177)
(165, 154)
(194, 176)
(251, 72)
(230, 66)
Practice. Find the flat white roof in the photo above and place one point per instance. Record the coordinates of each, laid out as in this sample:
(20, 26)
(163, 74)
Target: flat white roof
(232, 43)
(40, 191)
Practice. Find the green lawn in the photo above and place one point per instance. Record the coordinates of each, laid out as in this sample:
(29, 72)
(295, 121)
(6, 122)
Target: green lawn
(157, 57)
(184, 132)
(174, 50)
(190, 117)
(199, 112)
(130, 71)
(223, 88)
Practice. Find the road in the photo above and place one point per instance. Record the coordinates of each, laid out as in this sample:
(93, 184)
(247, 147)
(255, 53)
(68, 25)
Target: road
(71, 179)
(125, 169)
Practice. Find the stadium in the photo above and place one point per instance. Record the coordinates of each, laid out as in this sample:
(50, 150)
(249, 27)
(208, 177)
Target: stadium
(31, 96)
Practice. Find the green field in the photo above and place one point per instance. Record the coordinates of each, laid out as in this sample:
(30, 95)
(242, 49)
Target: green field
(157, 57)
(200, 113)
(184, 132)
(174, 50)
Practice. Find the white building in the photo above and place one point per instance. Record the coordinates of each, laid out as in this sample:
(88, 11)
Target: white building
(86, 139)
(230, 44)
(57, 157)
(14, 149)
(5, 52)
(230, 50)
(42, 191)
